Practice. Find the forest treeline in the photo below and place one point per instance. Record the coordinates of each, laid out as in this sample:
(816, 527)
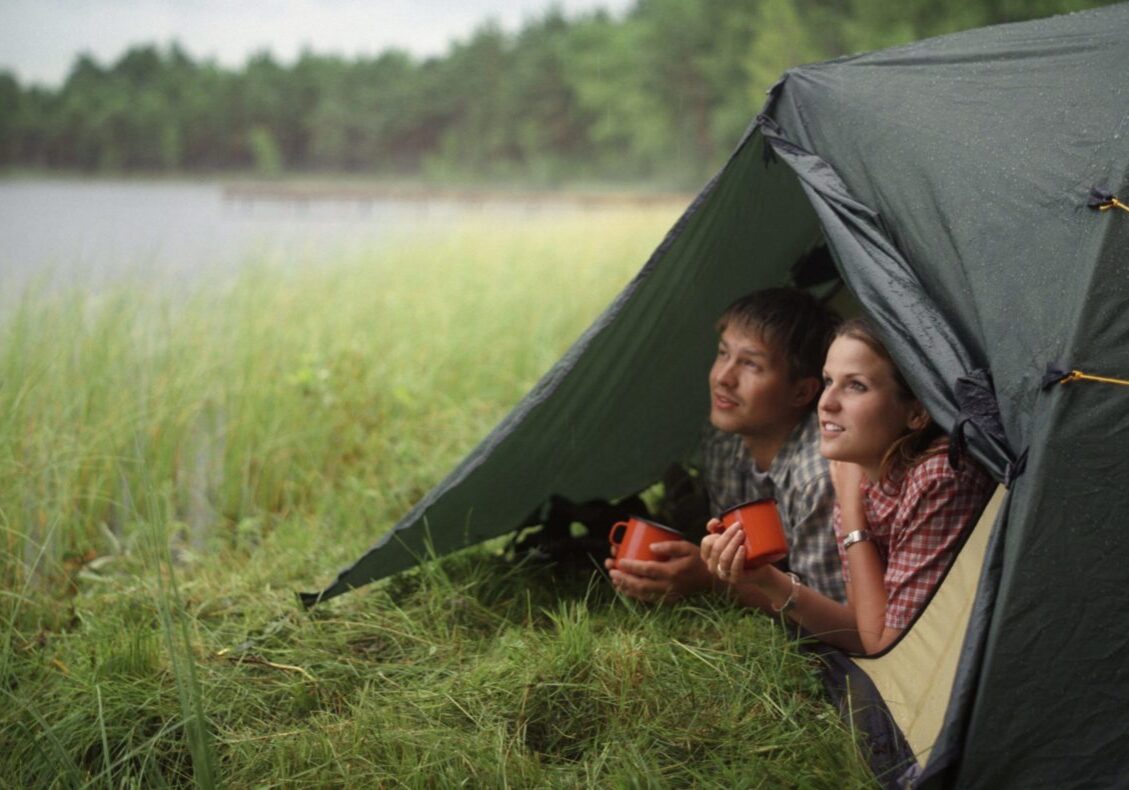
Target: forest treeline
(660, 93)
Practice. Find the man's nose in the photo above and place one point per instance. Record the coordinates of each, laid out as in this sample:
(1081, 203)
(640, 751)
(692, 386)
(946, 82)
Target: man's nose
(723, 372)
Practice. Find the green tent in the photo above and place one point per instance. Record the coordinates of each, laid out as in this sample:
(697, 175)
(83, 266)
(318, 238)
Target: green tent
(967, 187)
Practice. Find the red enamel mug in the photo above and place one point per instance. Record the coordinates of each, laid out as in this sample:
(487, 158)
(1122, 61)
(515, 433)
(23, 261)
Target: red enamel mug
(764, 534)
(632, 539)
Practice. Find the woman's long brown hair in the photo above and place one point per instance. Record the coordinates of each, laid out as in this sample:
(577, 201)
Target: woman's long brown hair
(913, 446)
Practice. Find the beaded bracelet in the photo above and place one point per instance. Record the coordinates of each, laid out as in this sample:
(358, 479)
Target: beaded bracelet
(791, 600)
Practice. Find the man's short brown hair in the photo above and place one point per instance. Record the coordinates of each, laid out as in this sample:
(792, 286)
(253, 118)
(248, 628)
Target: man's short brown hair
(793, 321)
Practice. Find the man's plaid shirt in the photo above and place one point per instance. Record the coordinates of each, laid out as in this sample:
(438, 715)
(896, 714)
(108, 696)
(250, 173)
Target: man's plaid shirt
(799, 483)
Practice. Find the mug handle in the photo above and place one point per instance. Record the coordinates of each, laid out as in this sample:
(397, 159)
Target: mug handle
(719, 527)
(622, 527)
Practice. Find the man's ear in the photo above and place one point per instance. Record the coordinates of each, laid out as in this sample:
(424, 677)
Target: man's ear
(805, 391)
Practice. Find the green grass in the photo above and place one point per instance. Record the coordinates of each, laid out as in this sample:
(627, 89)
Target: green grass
(174, 466)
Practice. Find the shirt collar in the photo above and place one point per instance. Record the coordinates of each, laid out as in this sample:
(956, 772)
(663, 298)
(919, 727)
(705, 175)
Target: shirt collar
(802, 438)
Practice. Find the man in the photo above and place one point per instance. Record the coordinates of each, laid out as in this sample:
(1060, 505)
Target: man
(764, 442)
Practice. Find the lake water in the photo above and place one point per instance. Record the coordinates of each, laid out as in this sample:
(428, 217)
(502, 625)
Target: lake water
(90, 233)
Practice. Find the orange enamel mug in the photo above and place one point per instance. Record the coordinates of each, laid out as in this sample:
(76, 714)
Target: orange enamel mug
(632, 539)
(764, 534)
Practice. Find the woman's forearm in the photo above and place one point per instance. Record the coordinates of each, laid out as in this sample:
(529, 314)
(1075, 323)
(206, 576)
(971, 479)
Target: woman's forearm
(867, 590)
(867, 594)
(824, 618)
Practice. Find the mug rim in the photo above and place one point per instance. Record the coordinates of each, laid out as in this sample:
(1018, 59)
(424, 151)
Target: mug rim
(650, 522)
(729, 510)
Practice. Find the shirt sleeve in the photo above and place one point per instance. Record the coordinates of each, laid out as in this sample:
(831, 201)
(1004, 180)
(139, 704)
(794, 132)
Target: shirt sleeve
(935, 511)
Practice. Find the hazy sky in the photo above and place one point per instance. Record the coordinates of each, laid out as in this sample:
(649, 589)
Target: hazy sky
(39, 39)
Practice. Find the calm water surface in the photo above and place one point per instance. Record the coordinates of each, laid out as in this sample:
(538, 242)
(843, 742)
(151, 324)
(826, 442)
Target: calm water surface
(92, 233)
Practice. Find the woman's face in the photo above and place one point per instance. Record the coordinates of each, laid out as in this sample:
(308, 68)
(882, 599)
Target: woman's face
(862, 412)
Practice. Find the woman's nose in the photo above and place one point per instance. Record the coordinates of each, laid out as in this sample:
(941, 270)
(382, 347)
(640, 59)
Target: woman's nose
(829, 400)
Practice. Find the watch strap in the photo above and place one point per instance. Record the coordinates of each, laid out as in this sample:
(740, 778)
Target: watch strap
(856, 536)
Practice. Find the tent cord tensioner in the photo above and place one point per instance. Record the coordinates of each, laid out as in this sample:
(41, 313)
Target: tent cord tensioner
(1077, 375)
(1102, 200)
(1113, 203)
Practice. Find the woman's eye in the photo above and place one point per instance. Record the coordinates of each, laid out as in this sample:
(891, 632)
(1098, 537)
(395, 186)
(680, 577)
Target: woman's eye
(857, 386)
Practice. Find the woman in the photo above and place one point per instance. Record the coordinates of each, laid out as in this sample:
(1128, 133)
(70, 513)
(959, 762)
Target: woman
(900, 512)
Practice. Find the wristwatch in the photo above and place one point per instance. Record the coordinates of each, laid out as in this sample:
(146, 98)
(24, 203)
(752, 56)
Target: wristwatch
(856, 536)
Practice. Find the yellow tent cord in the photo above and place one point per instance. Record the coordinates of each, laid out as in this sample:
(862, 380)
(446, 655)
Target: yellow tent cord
(1077, 375)
(1112, 203)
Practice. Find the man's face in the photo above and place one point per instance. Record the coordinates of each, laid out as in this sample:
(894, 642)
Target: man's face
(751, 389)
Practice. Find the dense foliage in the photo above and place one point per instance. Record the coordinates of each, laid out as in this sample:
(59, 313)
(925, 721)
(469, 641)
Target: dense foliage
(663, 92)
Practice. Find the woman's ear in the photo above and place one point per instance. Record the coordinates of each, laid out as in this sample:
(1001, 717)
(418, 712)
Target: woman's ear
(918, 417)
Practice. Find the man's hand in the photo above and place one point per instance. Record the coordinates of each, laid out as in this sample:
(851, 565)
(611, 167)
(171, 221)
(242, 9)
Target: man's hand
(682, 573)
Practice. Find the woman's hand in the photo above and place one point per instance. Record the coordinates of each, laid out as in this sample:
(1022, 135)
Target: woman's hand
(724, 555)
(724, 551)
(846, 478)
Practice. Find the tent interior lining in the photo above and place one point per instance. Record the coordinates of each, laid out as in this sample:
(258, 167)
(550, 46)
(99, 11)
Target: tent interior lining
(915, 676)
